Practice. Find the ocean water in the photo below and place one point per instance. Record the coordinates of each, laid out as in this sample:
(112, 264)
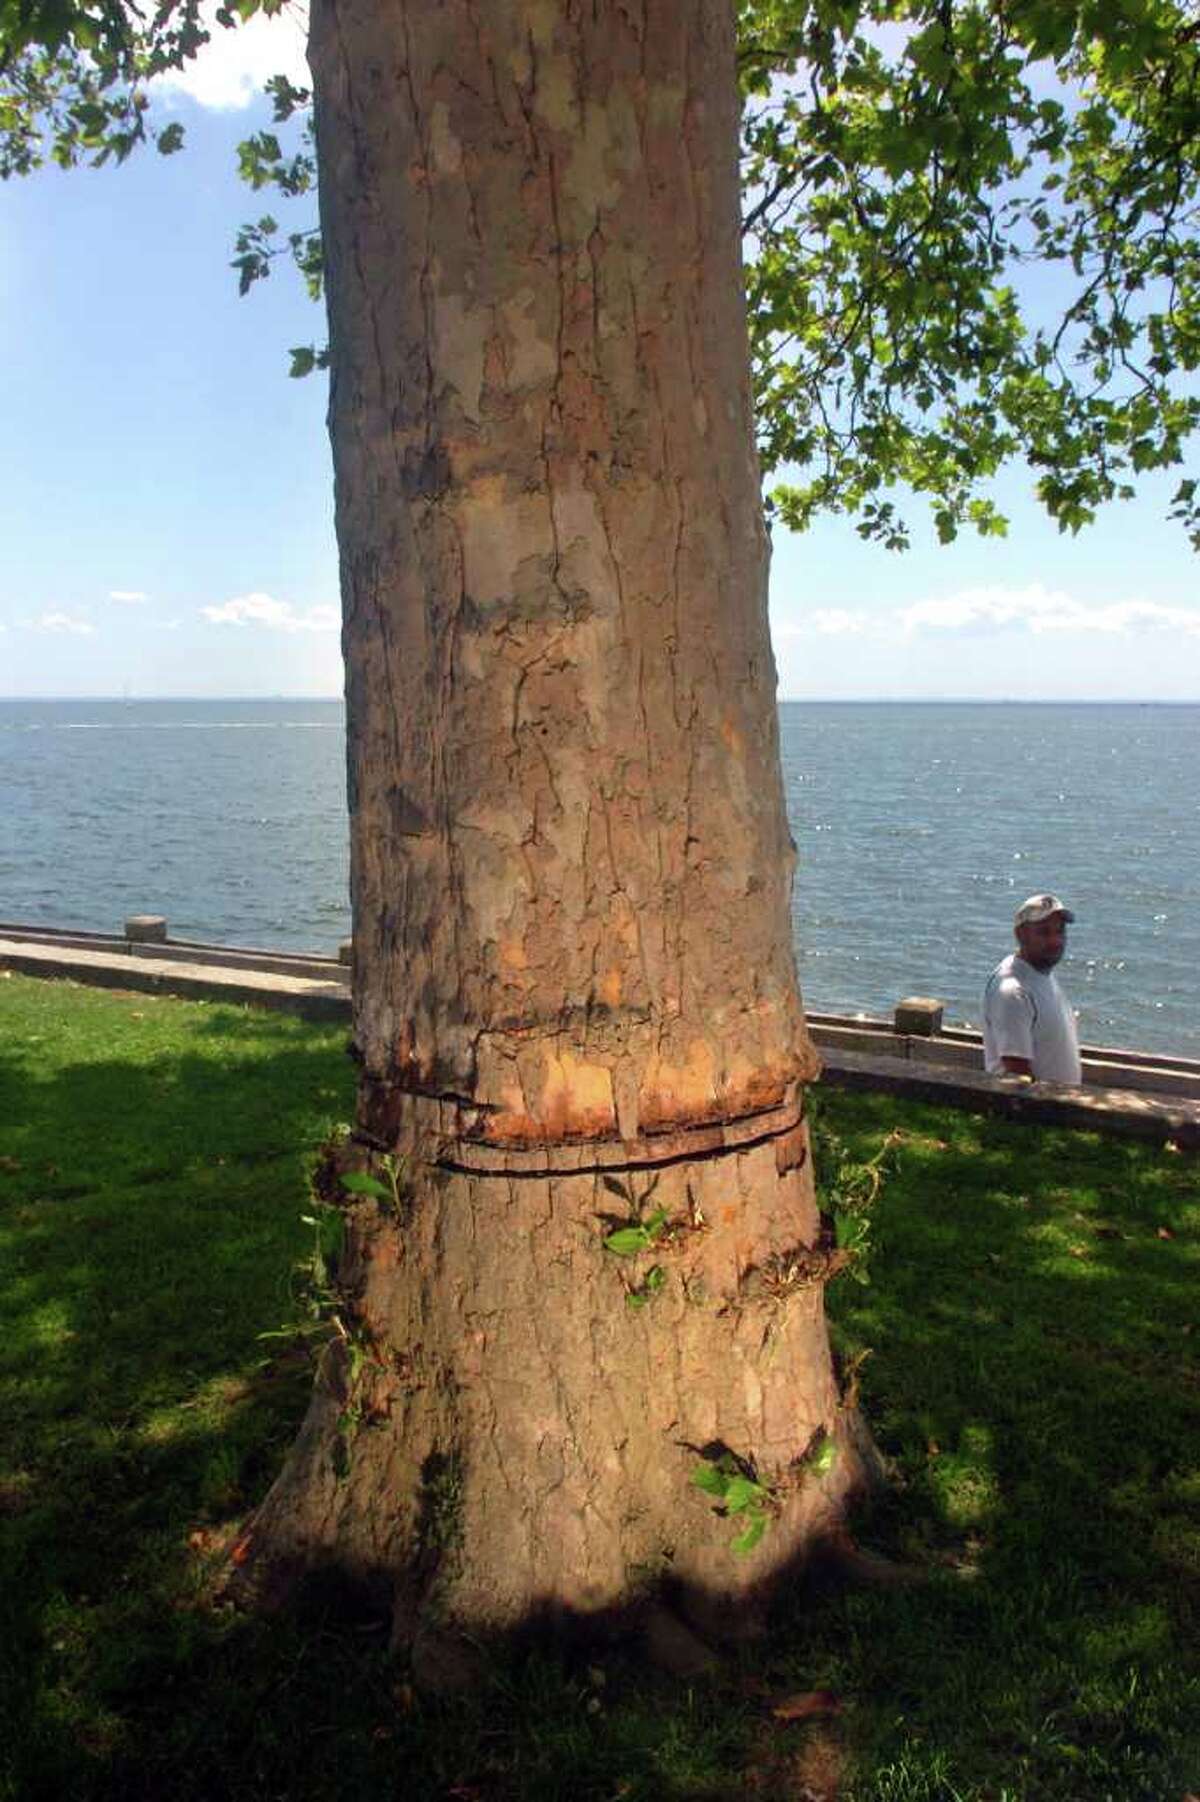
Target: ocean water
(227, 816)
(920, 827)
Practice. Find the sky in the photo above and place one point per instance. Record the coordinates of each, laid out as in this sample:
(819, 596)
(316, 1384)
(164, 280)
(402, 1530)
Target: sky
(166, 493)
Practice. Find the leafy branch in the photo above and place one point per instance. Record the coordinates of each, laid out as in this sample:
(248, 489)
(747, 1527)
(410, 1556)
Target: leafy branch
(911, 170)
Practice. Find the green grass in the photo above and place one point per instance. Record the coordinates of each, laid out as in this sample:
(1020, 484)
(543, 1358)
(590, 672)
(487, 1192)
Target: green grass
(1032, 1325)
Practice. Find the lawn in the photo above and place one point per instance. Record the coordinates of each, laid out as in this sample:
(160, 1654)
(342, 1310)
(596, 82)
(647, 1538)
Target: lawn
(1030, 1331)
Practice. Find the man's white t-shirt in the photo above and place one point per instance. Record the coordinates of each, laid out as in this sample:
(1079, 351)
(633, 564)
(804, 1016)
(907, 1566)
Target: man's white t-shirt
(1026, 1014)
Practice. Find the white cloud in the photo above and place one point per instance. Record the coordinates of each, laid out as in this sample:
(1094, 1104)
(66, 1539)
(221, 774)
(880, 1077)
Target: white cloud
(982, 607)
(1121, 615)
(830, 622)
(63, 622)
(280, 616)
(133, 596)
(230, 71)
(833, 622)
(1038, 610)
(1115, 630)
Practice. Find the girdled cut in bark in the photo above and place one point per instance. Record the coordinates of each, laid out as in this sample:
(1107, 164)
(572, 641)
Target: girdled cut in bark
(576, 1010)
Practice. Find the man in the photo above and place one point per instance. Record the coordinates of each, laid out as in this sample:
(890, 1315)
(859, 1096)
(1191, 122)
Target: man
(1028, 1026)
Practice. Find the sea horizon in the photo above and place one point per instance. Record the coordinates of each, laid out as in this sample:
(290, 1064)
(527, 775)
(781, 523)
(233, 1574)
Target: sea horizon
(917, 839)
(780, 700)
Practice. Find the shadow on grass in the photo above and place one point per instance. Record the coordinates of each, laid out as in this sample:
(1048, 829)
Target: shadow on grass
(1032, 1374)
(150, 1202)
(153, 1175)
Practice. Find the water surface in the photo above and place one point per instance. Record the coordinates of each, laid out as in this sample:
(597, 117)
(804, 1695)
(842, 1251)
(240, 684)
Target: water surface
(920, 828)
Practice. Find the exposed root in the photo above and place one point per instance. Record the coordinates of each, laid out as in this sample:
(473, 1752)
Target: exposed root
(673, 1647)
(859, 1437)
(845, 1559)
(445, 1661)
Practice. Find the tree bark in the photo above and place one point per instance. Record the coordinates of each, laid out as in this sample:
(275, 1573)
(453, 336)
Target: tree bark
(575, 996)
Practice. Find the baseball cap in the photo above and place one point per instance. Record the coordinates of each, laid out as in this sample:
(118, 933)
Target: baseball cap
(1040, 907)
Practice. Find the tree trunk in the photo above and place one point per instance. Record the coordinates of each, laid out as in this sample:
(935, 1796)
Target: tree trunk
(575, 996)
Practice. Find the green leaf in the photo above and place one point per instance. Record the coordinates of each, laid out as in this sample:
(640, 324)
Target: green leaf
(708, 1478)
(852, 1231)
(824, 1458)
(655, 1277)
(361, 1182)
(746, 1541)
(304, 360)
(741, 1492)
(627, 1241)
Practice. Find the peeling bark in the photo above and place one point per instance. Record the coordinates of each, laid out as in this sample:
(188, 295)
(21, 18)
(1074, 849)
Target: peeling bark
(575, 995)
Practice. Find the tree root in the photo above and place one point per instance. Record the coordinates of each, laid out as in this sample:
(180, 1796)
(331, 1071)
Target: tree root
(445, 1661)
(843, 1558)
(672, 1645)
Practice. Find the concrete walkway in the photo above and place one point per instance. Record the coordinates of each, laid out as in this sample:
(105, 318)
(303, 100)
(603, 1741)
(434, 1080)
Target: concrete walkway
(152, 968)
(1125, 1093)
(1128, 1113)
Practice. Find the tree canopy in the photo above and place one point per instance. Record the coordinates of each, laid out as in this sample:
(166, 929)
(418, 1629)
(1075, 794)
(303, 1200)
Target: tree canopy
(969, 231)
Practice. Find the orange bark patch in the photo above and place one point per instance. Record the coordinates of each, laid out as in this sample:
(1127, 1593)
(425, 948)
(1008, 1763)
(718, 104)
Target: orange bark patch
(731, 736)
(691, 1094)
(678, 1094)
(576, 1102)
(749, 1086)
(577, 1098)
(610, 987)
(762, 1088)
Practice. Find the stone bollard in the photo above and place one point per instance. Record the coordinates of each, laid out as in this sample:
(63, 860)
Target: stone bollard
(919, 1015)
(146, 929)
(346, 951)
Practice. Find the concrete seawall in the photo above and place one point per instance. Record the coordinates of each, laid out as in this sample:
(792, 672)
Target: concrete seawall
(1125, 1092)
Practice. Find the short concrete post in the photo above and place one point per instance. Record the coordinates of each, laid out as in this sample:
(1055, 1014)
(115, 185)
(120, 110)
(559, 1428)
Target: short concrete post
(146, 929)
(920, 1016)
(346, 951)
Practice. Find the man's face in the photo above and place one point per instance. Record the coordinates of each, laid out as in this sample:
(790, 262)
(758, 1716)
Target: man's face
(1043, 942)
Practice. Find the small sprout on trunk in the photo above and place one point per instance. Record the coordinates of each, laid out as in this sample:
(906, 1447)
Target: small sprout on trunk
(650, 1285)
(628, 1241)
(738, 1491)
(756, 1526)
(822, 1458)
(361, 1182)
